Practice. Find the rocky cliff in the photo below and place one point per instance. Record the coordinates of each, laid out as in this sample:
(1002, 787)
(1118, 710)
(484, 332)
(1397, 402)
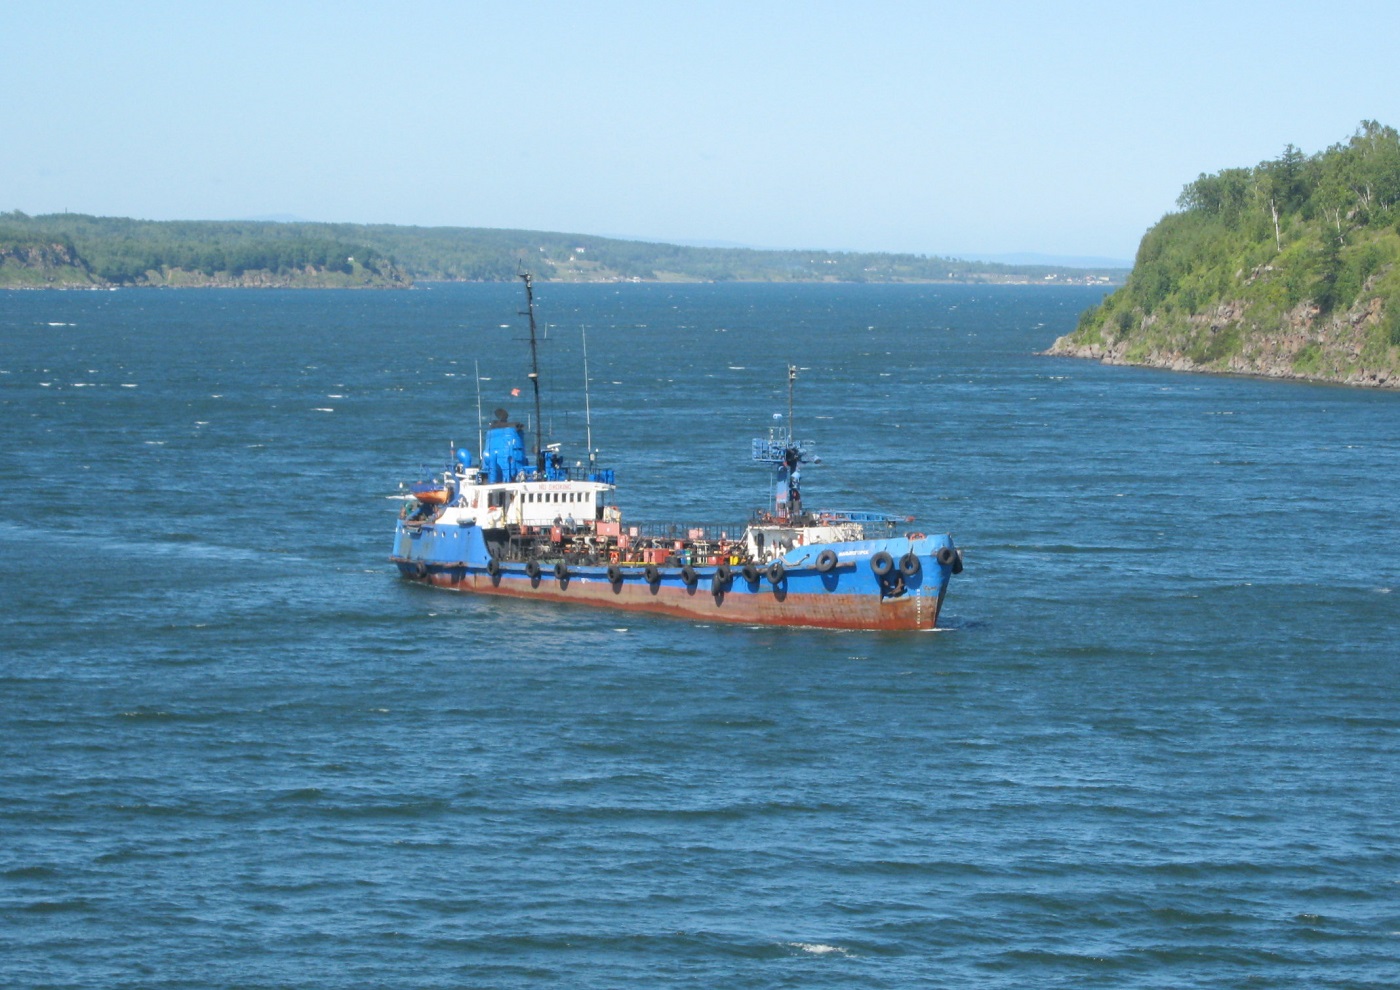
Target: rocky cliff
(1349, 348)
(1289, 269)
(46, 264)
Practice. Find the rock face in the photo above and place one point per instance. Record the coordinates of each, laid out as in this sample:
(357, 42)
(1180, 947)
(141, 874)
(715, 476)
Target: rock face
(43, 264)
(376, 276)
(1347, 348)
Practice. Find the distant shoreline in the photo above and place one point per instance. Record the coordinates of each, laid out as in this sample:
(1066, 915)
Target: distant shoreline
(425, 282)
(76, 250)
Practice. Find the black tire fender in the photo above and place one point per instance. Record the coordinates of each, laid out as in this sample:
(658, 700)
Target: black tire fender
(882, 563)
(561, 571)
(777, 573)
(946, 556)
(826, 560)
(614, 574)
(909, 564)
(689, 576)
(653, 573)
(751, 573)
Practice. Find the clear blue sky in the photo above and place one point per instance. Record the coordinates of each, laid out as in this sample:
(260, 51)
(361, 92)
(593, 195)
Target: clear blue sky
(971, 129)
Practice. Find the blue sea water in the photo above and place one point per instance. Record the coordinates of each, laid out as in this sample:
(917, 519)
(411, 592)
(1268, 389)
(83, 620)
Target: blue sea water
(1156, 745)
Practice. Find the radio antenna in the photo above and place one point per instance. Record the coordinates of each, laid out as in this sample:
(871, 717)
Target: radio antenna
(480, 440)
(587, 408)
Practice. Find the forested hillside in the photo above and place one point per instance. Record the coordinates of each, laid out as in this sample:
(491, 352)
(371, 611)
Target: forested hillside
(1286, 269)
(72, 250)
(69, 249)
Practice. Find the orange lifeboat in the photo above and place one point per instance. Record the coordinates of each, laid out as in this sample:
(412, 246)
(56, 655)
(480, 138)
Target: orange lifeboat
(430, 494)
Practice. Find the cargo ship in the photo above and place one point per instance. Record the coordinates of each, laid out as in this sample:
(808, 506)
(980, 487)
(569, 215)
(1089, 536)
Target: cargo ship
(520, 523)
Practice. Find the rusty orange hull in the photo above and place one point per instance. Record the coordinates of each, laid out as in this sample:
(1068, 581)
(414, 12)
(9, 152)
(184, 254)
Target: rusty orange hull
(829, 606)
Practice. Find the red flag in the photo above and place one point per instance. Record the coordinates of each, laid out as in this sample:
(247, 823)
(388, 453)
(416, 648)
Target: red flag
(515, 391)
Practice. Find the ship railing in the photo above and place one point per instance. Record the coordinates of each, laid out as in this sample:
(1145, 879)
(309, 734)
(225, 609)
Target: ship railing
(630, 543)
(872, 525)
(875, 523)
(883, 518)
(869, 525)
(648, 542)
(602, 476)
(866, 525)
(685, 532)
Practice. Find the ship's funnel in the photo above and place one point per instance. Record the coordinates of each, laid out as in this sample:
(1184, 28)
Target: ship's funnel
(504, 457)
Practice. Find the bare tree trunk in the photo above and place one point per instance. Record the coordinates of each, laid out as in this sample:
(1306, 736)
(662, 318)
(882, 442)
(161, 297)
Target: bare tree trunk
(1278, 239)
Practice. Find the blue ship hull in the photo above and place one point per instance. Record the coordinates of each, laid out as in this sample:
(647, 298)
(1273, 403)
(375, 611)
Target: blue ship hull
(848, 595)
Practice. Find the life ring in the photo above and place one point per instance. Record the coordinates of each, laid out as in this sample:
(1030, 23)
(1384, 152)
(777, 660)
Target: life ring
(614, 574)
(946, 556)
(777, 572)
(561, 572)
(493, 567)
(826, 560)
(909, 564)
(882, 563)
(751, 573)
(653, 574)
(532, 569)
(689, 576)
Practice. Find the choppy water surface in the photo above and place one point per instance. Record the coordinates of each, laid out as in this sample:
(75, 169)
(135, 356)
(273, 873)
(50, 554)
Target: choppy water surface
(1157, 745)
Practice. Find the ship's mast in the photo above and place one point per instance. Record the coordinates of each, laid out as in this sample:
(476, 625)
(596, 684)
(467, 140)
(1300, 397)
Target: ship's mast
(792, 457)
(534, 362)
